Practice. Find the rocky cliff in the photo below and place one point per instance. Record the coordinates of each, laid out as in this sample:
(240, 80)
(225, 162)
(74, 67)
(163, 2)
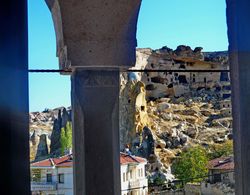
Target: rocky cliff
(161, 113)
(45, 132)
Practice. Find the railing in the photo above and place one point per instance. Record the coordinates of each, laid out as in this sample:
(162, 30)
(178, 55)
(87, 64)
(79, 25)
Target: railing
(43, 186)
(134, 184)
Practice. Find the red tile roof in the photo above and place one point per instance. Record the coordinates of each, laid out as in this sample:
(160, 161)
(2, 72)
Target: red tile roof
(222, 163)
(67, 161)
(64, 161)
(127, 159)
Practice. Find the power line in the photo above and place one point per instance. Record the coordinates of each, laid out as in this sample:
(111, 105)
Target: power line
(174, 70)
(49, 71)
(130, 70)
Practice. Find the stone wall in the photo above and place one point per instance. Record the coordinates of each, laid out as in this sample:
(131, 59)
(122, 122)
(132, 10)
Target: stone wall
(218, 189)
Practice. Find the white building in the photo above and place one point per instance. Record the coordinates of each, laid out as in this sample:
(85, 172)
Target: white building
(133, 177)
(54, 176)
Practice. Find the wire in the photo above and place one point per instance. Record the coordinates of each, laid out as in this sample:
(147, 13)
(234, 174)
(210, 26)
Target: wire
(130, 70)
(174, 70)
(49, 71)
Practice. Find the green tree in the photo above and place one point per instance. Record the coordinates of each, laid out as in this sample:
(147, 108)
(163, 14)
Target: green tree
(218, 150)
(192, 165)
(66, 137)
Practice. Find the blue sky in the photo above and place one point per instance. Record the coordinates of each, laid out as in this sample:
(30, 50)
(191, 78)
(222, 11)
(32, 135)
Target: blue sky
(161, 22)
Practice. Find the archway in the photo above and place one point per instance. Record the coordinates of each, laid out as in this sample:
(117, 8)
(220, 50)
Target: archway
(14, 60)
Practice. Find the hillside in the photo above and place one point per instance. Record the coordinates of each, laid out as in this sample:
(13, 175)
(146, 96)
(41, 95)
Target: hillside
(161, 113)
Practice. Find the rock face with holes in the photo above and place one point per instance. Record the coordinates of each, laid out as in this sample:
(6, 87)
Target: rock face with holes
(168, 84)
(155, 127)
(180, 110)
(133, 110)
(175, 124)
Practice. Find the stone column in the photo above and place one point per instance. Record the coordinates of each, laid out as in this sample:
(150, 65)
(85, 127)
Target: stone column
(14, 117)
(95, 100)
(95, 39)
(238, 17)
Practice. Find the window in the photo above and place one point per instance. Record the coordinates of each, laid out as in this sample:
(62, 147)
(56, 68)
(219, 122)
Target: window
(127, 176)
(61, 178)
(217, 178)
(49, 177)
(131, 176)
(36, 175)
(142, 172)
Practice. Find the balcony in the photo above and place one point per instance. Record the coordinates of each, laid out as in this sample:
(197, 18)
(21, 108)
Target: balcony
(135, 184)
(43, 186)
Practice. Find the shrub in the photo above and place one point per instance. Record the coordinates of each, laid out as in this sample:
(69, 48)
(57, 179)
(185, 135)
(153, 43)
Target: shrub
(218, 150)
(66, 137)
(192, 165)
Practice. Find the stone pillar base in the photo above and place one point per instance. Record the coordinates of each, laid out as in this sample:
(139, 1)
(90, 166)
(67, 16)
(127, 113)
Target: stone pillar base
(95, 100)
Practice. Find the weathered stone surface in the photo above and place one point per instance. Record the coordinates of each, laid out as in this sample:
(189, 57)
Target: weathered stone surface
(60, 122)
(34, 138)
(176, 123)
(133, 111)
(65, 117)
(56, 134)
(176, 84)
(238, 16)
(163, 106)
(95, 106)
(95, 34)
(42, 149)
(160, 143)
(147, 145)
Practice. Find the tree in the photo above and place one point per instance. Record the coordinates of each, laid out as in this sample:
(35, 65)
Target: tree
(218, 150)
(192, 165)
(66, 137)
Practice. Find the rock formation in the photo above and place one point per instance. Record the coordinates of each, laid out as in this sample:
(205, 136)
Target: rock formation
(168, 84)
(45, 130)
(34, 141)
(179, 109)
(42, 148)
(59, 123)
(133, 111)
(161, 114)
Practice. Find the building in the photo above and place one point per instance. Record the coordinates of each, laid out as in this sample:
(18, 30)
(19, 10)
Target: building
(192, 70)
(133, 175)
(54, 176)
(221, 170)
(221, 178)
